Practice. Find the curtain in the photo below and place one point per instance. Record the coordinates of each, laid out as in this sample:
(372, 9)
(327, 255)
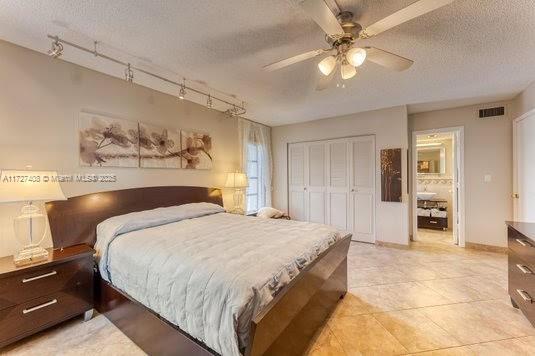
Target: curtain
(259, 135)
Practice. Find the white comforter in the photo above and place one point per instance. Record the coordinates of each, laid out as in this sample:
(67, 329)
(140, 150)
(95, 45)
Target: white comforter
(206, 271)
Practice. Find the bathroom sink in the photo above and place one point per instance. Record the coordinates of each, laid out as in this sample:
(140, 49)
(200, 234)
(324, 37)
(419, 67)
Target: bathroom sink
(425, 195)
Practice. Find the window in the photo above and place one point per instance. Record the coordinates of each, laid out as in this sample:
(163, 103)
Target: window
(254, 193)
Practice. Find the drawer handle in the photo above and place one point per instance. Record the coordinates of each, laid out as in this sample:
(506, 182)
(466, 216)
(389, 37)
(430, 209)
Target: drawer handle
(433, 222)
(523, 242)
(37, 307)
(26, 280)
(524, 295)
(523, 268)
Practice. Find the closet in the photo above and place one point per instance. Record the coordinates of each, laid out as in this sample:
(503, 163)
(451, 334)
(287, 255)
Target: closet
(333, 182)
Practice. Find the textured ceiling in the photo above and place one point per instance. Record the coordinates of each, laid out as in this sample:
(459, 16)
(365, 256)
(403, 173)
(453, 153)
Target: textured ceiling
(466, 52)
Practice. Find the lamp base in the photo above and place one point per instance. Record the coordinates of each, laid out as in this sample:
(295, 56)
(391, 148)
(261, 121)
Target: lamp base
(30, 254)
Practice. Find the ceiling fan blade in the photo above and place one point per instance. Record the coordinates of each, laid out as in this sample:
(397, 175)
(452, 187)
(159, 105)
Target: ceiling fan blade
(412, 11)
(387, 59)
(295, 59)
(320, 12)
(325, 81)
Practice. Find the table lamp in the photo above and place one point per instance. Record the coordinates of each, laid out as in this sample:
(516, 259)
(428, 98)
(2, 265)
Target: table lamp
(30, 226)
(238, 182)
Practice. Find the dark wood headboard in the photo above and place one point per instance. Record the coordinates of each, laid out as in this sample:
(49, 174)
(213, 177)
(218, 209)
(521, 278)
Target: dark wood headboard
(74, 221)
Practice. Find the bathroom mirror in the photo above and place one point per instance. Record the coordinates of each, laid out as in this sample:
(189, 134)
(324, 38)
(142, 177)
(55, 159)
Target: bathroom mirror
(432, 160)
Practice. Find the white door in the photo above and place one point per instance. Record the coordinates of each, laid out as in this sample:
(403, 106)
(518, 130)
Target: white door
(524, 147)
(296, 181)
(315, 182)
(362, 183)
(338, 184)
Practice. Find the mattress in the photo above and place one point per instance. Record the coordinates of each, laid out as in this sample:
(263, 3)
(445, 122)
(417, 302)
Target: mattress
(206, 271)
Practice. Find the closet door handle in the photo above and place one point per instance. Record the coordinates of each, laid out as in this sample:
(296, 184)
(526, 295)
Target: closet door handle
(524, 295)
(305, 188)
(524, 269)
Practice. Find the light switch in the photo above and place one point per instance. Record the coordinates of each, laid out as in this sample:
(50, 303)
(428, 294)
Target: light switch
(488, 178)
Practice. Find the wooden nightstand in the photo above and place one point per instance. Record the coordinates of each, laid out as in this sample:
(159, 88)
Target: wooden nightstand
(35, 297)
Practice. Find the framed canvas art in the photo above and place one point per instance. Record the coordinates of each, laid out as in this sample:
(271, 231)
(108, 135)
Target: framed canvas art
(196, 150)
(159, 147)
(107, 142)
(391, 175)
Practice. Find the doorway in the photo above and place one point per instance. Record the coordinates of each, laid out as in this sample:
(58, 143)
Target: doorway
(438, 186)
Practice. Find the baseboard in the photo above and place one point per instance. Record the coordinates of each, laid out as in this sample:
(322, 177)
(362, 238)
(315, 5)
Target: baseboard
(392, 245)
(483, 247)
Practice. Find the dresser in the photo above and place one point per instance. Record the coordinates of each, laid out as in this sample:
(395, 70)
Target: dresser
(521, 256)
(35, 297)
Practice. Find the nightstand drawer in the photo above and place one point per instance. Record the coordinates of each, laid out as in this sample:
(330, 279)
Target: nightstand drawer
(37, 314)
(23, 287)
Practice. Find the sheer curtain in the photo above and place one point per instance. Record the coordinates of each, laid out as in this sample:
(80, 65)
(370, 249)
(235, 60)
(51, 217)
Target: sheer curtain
(258, 135)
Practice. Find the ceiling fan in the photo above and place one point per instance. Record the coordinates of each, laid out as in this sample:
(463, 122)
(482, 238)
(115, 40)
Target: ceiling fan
(342, 33)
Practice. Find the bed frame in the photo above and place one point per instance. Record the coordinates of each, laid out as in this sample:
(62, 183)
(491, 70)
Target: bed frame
(284, 327)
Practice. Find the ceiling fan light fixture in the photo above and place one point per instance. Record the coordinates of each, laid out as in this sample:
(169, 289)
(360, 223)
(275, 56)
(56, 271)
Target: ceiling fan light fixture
(356, 56)
(327, 65)
(347, 71)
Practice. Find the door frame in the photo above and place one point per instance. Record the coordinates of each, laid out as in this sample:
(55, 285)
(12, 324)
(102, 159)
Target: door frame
(458, 181)
(515, 161)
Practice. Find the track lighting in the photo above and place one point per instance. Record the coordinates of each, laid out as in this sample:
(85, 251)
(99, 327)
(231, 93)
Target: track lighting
(209, 102)
(129, 74)
(182, 92)
(56, 50)
(233, 109)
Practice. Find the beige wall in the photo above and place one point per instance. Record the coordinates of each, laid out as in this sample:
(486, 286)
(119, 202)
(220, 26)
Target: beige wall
(39, 107)
(524, 102)
(488, 150)
(390, 129)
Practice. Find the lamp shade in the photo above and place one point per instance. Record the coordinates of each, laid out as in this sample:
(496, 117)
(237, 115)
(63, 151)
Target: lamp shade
(236, 180)
(17, 186)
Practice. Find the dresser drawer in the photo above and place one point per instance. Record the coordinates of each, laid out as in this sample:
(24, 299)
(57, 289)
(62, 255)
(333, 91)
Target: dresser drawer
(430, 222)
(523, 247)
(23, 287)
(39, 313)
(522, 284)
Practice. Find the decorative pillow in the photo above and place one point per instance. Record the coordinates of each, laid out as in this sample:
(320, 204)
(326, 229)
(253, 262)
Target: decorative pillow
(269, 213)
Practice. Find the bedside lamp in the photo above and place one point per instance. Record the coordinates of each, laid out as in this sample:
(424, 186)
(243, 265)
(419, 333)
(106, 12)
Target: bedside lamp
(238, 182)
(30, 226)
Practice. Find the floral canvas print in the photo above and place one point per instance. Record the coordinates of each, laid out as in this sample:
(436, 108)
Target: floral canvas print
(159, 147)
(108, 142)
(196, 152)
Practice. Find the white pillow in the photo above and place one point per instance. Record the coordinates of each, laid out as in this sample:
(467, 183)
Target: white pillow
(269, 213)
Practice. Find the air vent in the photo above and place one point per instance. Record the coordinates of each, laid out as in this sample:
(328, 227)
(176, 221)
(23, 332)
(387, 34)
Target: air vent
(491, 112)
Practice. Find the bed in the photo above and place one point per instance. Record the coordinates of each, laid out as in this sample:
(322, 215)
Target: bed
(173, 279)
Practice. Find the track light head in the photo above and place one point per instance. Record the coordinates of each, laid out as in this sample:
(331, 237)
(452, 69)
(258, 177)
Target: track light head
(209, 102)
(129, 74)
(182, 92)
(56, 50)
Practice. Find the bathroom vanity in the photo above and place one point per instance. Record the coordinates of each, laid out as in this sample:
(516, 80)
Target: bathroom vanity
(432, 214)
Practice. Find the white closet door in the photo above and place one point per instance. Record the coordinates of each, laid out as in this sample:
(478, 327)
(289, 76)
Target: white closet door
(296, 181)
(315, 182)
(338, 184)
(362, 153)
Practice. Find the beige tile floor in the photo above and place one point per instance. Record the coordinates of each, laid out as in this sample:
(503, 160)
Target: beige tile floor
(431, 299)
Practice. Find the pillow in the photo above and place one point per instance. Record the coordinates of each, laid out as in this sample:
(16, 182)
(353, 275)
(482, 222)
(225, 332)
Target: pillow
(269, 213)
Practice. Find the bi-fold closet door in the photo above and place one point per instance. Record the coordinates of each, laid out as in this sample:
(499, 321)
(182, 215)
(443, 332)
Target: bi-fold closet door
(333, 182)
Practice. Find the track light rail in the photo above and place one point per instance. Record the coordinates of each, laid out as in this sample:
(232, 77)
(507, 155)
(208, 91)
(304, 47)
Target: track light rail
(234, 110)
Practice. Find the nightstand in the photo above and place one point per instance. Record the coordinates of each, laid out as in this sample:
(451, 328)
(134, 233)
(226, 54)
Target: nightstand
(35, 297)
